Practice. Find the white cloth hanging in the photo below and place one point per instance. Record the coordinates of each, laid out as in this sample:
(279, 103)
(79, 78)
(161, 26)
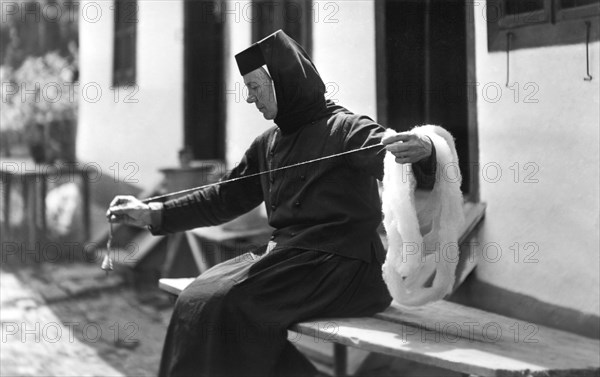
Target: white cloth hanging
(422, 226)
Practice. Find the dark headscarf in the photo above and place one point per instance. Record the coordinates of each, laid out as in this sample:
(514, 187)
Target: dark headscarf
(299, 89)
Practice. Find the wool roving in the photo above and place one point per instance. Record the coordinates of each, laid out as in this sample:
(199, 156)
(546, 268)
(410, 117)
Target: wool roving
(422, 226)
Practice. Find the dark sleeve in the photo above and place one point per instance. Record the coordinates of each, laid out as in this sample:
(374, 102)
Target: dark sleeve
(425, 170)
(363, 132)
(216, 204)
(360, 132)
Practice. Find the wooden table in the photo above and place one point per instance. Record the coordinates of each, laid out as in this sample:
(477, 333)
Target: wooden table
(34, 180)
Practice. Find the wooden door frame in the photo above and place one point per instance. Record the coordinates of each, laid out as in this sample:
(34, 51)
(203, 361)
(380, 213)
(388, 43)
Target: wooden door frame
(382, 98)
(189, 86)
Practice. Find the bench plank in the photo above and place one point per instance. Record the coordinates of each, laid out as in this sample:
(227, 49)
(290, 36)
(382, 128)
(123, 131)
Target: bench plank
(174, 286)
(546, 352)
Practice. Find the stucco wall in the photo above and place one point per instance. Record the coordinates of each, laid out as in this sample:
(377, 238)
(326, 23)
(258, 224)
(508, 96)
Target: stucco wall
(244, 122)
(344, 52)
(115, 130)
(549, 135)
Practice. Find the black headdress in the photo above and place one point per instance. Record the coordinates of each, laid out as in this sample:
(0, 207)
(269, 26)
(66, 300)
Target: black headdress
(299, 89)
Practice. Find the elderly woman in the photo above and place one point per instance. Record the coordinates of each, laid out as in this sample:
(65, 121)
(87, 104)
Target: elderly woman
(324, 258)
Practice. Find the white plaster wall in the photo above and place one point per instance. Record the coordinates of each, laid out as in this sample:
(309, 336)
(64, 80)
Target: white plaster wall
(557, 135)
(344, 52)
(149, 133)
(244, 122)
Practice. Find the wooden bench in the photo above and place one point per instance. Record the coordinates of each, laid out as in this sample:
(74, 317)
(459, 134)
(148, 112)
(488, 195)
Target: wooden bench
(448, 336)
(451, 336)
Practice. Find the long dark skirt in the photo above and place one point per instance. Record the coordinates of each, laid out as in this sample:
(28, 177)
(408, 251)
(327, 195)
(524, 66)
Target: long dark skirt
(233, 319)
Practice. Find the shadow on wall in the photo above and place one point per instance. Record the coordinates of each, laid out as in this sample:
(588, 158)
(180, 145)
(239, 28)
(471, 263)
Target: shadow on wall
(488, 297)
(102, 192)
(105, 188)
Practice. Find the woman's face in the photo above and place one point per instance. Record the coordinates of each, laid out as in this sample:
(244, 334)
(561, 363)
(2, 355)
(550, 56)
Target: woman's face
(261, 92)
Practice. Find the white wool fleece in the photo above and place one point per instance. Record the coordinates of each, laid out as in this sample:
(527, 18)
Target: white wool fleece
(422, 226)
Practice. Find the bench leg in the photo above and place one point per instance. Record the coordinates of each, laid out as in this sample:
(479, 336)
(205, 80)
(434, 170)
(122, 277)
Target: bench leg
(373, 363)
(172, 247)
(340, 358)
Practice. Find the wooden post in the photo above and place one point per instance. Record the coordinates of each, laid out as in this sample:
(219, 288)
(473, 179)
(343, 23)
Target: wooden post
(340, 358)
(29, 209)
(173, 244)
(6, 181)
(85, 184)
(43, 191)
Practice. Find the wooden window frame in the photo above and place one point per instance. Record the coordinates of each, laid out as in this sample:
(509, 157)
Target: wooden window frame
(125, 34)
(548, 27)
(506, 21)
(577, 12)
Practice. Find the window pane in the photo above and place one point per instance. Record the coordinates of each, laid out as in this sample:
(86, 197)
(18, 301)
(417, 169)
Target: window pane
(126, 18)
(523, 6)
(576, 3)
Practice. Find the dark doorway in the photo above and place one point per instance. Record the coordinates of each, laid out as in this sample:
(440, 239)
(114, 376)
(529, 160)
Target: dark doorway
(423, 70)
(204, 84)
(294, 17)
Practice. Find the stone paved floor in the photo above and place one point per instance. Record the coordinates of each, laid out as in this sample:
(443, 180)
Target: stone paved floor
(72, 320)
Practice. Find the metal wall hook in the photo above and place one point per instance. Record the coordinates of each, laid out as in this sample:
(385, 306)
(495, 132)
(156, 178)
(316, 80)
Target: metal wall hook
(588, 26)
(508, 38)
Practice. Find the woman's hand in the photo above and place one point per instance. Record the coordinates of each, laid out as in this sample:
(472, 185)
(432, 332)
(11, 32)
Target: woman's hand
(408, 147)
(129, 210)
